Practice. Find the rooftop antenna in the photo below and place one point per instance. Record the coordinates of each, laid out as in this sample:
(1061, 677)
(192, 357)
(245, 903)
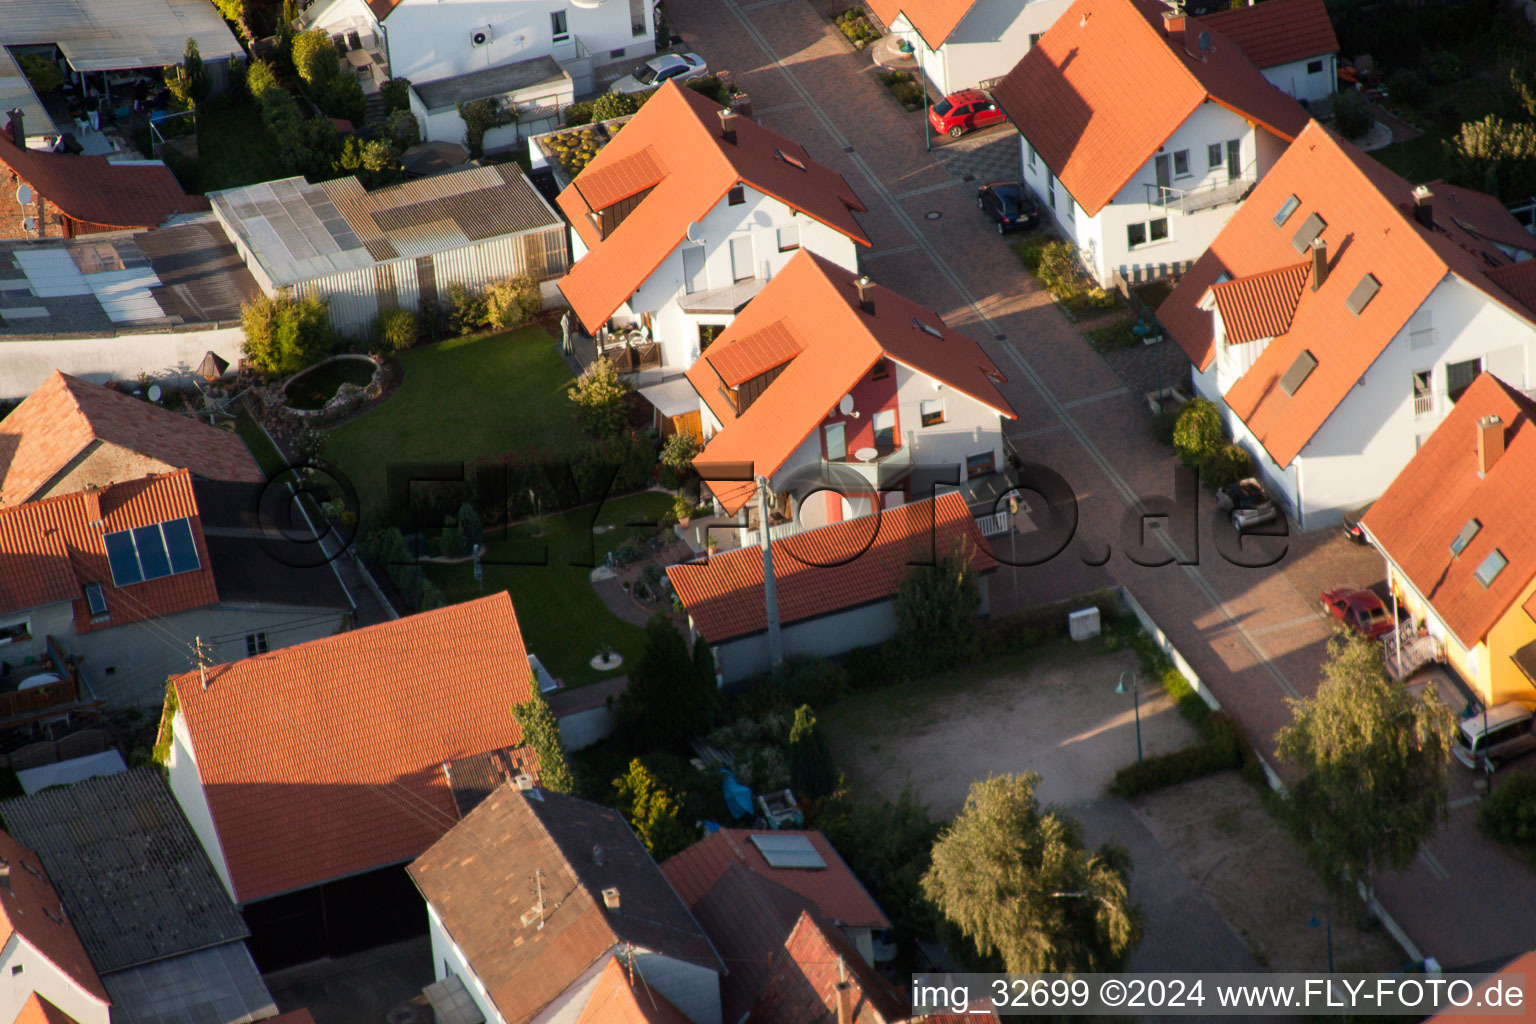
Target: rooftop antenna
(538, 886)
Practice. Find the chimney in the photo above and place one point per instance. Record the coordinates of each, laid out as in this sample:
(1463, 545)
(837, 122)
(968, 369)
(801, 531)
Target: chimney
(18, 127)
(844, 1003)
(728, 125)
(1424, 207)
(1319, 263)
(524, 782)
(866, 289)
(92, 498)
(1173, 21)
(611, 898)
(1490, 443)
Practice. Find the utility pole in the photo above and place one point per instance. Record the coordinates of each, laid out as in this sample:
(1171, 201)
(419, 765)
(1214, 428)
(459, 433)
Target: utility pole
(770, 594)
(204, 658)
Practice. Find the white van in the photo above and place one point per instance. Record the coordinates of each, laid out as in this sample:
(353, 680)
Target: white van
(1506, 734)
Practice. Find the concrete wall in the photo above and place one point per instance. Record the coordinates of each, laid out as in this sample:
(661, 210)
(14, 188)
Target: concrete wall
(447, 960)
(26, 362)
(583, 728)
(988, 42)
(187, 786)
(1294, 79)
(759, 217)
(23, 970)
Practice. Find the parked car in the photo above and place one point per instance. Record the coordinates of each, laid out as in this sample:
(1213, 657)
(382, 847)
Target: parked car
(1504, 731)
(1360, 610)
(678, 67)
(1352, 528)
(1248, 503)
(1009, 203)
(963, 111)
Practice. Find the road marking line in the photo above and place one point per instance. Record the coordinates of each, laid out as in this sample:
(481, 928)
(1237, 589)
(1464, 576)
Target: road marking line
(1037, 432)
(1435, 867)
(1115, 393)
(951, 183)
(914, 247)
(1298, 621)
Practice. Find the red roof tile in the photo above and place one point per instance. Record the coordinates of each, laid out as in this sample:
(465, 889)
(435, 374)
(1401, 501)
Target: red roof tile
(1370, 229)
(621, 996)
(1106, 86)
(1439, 492)
(1260, 305)
(684, 127)
(326, 758)
(802, 987)
(51, 549)
(935, 20)
(65, 416)
(814, 303)
(37, 1010)
(90, 189)
(1277, 32)
(1481, 216)
(826, 570)
(621, 179)
(835, 890)
(30, 908)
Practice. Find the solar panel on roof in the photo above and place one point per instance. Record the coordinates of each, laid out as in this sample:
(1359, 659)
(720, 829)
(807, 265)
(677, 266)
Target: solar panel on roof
(783, 851)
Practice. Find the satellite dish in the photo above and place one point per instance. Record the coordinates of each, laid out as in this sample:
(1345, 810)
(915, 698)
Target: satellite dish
(24, 195)
(696, 232)
(1205, 41)
(155, 392)
(845, 405)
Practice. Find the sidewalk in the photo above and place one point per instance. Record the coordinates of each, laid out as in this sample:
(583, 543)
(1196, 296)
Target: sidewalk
(1255, 635)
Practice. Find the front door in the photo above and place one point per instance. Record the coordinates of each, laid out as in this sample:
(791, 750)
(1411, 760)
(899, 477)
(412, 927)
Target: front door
(837, 442)
(741, 258)
(1164, 173)
(1234, 159)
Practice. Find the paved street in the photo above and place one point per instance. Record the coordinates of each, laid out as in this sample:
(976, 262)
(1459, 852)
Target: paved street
(1254, 635)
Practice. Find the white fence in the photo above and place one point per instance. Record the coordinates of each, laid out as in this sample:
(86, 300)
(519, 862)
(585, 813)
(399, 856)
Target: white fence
(994, 525)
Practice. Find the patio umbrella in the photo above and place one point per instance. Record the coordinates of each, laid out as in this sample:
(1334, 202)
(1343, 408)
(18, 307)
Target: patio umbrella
(433, 158)
(212, 367)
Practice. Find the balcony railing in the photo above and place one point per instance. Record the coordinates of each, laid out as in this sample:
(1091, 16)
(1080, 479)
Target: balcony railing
(1423, 404)
(68, 691)
(1202, 198)
(883, 470)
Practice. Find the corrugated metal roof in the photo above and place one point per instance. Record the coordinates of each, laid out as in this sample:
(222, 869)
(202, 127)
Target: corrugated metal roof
(106, 35)
(52, 273)
(125, 295)
(293, 228)
(213, 986)
(128, 868)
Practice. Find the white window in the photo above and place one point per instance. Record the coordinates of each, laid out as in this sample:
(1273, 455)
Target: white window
(1029, 155)
(557, 25)
(1181, 164)
(741, 258)
(255, 643)
(932, 412)
(14, 631)
(789, 238)
(1050, 191)
(884, 423)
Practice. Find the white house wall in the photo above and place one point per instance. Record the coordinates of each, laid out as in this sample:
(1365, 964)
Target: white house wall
(1294, 78)
(25, 971)
(824, 637)
(969, 427)
(187, 787)
(26, 363)
(993, 37)
(448, 960)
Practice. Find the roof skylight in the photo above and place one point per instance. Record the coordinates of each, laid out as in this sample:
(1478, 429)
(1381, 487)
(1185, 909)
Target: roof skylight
(1491, 567)
(1464, 538)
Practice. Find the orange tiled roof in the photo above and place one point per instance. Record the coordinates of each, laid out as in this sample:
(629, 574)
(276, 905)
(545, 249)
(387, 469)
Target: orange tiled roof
(94, 191)
(622, 997)
(1277, 32)
(1521, 966)
(681, 129)
(934, 20)
(326, 758)
(30, 908)
(51, 549)
(814, 303)
(1369, 229)
(802, 987)
(1107, 85)
(37, 1010)
(1260, 305)
(621, 179)
(59, 421)
(835, 890)
(825, 570)
(1439, 491)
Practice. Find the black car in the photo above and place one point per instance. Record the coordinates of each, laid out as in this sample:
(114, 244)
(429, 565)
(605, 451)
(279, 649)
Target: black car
(1009, 204)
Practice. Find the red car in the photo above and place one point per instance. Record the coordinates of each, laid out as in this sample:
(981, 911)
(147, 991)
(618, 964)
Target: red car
(959, 112)
(1360, 610)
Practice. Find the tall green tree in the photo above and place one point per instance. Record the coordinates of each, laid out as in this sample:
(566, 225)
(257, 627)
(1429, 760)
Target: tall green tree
(1017, 882)
(936, 613)
(653, 811)
(601, 394)
(810, 762)
(283, 334)
(1373, 760)
(188, 81)
(541, 731)
(671, 693)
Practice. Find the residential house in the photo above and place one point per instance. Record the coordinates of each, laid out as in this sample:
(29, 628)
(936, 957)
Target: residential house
(107, 590)
(1456, 529)
(398, 247)
(1141, 130)
(534, 894)
(115, 305)
(819, 978)
(1342, 313)
(623, 996)
(960, 45)
(41, 959)
(748, 890)
(1290, 41)
(836, 586)
(686, 215)
(61, 195)
(312, 774)
(70, 434)
(179, 960)
(537, 89)
(828, 379)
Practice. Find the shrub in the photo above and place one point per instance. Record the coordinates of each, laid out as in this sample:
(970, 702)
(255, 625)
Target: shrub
(1030, 252)
(1220, 750)
(856, 28)
(372, 161)
(1508, 813)
(578, 113)
(615, 104)
(1496, 156)
(403, 129)
(396, 93)
(187, 81)
(1058, 267)
(283, 335)
(709, 85)
(810, 762)
(936, 610)
(396, 330)
(602, 396)
(342, 96)
(1197, 434)
(1443, 66)
(1407, 86)
(677, 451)
(309, 445)
(511, 302)
(1230, 464)
(466, 309)
(43, 74)
(479, 117)
(1351, 114)
(541, 731)
(315, 58)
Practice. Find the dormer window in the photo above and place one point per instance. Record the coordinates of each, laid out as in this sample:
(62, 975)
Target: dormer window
(1464, 538)
(881, 371)
(96, 598)
(1286, 209)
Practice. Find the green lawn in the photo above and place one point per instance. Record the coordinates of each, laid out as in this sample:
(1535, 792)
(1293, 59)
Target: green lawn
(563, 620)
(262, 449)
(460, 399)
(1419, 160)
(234, 148)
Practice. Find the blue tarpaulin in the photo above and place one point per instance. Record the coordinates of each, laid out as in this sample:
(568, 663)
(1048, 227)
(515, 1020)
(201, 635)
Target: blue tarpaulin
(738, 798)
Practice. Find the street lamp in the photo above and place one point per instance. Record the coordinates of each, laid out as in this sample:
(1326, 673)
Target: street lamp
(1136, 694)
(1326, 922)
(922, 83)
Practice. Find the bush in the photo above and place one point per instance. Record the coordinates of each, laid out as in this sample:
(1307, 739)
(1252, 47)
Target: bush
(479, 117)
(869, 668)
(403, 130)
(342, 97)
(1220, 750)
(187, 82)
(511, 302)
(43, 74)
(1407, 86)
(602, 396)
(615, 104)
(283, 335)
(396, 330)
(709, 85)
(466, 309)
(936, 614)
(396, 93)
(1197, 434)
(578, 113)
(856, 28)
(315, 58)
(906, 89)
(1508, 813)
(1351, 114)
(677, 451)
(1058, 268)
(1230, 464)
(1496, 156)
(1164, 422)
(810, 761)
(1443, 66)
(1031, 251)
